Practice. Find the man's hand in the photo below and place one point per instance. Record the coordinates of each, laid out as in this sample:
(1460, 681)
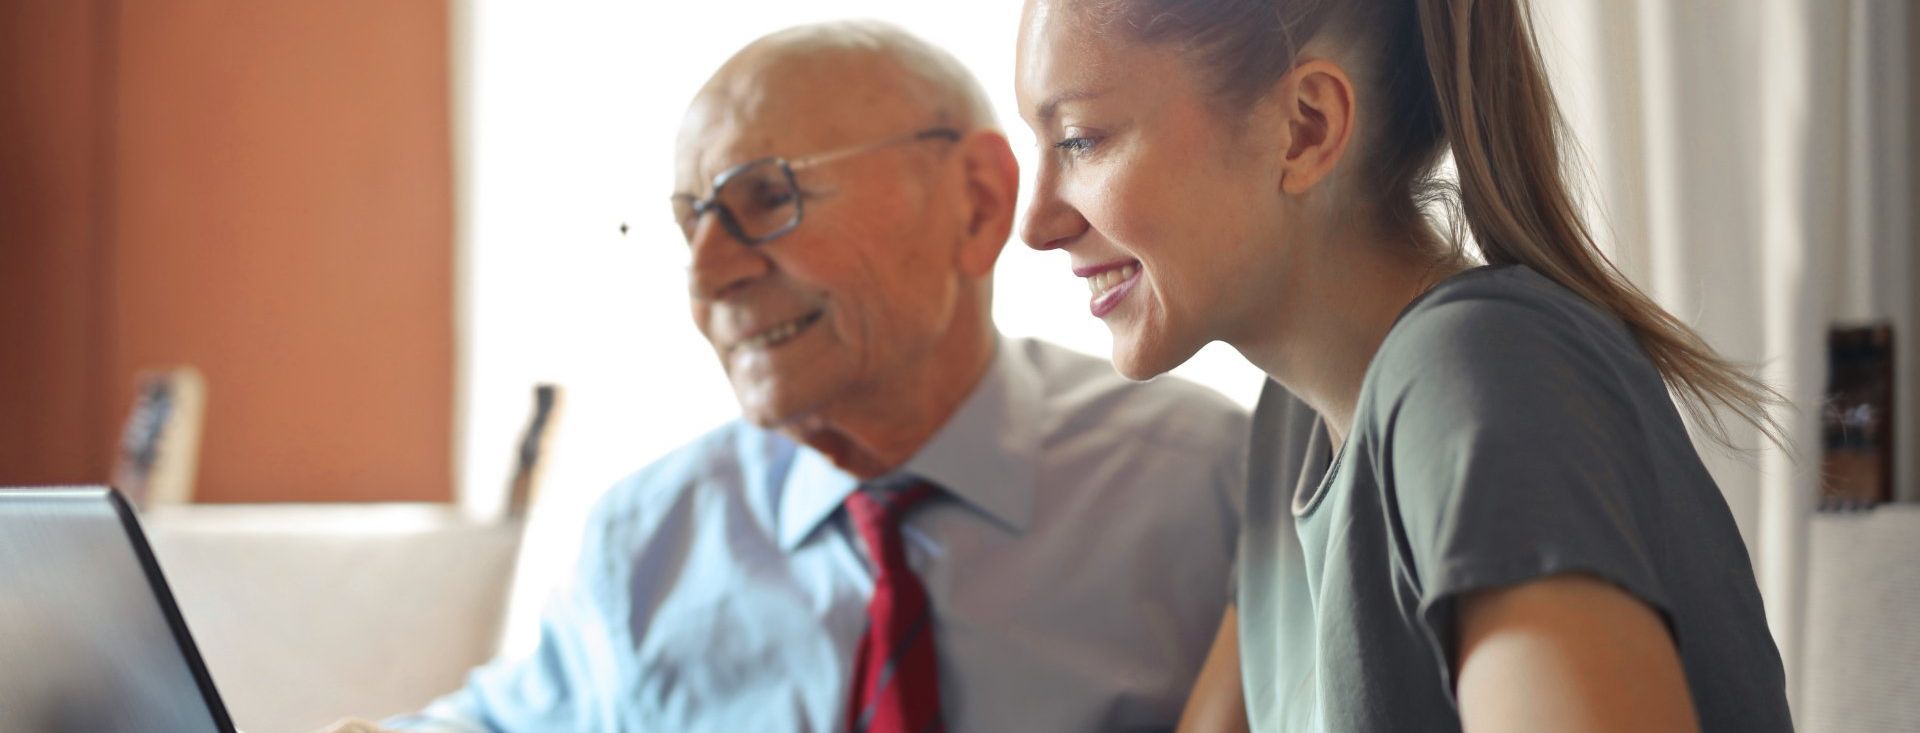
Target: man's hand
(1218, 704)
(353, 725)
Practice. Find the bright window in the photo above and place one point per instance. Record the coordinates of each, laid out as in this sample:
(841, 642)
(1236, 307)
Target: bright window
(566, 116)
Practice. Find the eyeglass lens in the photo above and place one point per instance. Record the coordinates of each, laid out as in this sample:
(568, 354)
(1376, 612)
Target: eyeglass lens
(756, 203)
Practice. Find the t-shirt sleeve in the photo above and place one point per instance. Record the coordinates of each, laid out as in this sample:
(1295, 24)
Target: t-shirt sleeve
(1515, 452)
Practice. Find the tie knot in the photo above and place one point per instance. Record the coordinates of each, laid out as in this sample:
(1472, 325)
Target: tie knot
(884, 509)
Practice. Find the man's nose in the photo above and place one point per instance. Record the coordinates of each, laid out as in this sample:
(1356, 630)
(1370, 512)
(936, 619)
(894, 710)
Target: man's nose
(721, 264)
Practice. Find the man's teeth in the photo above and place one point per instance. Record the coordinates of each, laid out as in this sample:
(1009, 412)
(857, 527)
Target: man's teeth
(1106, 281)
(778, 334)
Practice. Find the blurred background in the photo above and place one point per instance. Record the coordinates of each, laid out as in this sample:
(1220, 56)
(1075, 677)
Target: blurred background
(293, 271)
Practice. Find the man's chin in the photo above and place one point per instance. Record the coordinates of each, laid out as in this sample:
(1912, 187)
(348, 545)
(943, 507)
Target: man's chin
(778, 412)
(767, 419)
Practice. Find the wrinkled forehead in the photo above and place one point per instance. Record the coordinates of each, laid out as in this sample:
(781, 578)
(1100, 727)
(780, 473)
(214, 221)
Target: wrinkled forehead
(791, 106)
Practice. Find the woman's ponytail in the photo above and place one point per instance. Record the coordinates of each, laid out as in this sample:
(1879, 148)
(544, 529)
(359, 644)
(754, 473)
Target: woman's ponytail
(1505, 132)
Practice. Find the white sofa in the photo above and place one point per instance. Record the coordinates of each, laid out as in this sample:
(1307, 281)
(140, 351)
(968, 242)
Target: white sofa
(308, 613)
(1863, 622)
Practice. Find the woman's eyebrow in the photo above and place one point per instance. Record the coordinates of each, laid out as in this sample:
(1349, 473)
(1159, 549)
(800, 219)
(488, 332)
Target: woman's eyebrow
(1044, 112)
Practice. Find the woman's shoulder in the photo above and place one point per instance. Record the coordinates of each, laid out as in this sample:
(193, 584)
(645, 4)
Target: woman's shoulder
(1499, 308)
(1515, 296)
(1499, 336)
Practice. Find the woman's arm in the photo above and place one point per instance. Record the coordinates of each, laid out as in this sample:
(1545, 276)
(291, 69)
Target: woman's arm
(1566, 653)
(1217, 704)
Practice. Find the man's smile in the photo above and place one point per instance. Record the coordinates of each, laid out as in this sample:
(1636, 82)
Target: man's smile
(777, 334)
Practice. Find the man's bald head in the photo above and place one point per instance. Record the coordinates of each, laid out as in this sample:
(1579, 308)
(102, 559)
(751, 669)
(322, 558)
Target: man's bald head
(850, 79)
(921, 71)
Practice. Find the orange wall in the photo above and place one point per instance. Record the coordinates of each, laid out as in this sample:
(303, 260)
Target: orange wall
(277, 211)
(50, 263)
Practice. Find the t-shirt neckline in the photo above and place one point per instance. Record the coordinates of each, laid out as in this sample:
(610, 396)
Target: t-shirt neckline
(1318, 444)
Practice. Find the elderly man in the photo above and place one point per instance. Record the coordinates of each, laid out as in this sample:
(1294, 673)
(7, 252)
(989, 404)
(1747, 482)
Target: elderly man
(919, 523)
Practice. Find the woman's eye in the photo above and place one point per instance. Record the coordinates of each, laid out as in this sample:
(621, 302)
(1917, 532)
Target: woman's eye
(1075, 145)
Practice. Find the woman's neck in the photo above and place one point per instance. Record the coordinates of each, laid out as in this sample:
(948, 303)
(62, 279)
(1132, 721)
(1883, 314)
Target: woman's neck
(1336, 318)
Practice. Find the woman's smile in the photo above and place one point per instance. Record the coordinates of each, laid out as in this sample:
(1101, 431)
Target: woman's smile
(1110, 283)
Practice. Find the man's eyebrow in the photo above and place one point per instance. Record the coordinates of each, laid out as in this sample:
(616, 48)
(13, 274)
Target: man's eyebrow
(1045, 111)
(701, 178)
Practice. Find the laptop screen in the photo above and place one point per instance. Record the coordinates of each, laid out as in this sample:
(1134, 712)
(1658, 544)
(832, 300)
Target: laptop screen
(89, 637)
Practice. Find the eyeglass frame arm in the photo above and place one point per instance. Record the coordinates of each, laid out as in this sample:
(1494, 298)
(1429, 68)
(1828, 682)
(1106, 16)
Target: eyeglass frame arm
(787, 166)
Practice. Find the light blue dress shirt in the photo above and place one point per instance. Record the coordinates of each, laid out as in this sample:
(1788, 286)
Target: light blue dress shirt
(1078, 566)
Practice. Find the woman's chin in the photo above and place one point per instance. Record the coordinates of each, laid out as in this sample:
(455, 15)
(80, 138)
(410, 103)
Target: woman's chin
(1140, 362)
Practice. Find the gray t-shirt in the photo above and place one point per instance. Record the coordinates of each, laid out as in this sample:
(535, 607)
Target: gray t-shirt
(1507, 430)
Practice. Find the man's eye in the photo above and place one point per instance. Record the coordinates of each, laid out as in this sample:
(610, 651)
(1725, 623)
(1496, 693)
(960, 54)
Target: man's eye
(765, 196)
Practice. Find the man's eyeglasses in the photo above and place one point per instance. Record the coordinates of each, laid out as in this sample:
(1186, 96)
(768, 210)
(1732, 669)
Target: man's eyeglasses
(758, 201)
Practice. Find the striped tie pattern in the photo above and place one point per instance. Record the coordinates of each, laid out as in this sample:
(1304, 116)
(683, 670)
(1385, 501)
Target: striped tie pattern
(896, 683)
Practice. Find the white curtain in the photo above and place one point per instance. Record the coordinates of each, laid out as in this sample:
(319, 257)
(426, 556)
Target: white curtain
(1748, 161)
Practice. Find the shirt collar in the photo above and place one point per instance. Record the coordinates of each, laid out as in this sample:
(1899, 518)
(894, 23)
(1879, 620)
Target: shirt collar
(986, 455)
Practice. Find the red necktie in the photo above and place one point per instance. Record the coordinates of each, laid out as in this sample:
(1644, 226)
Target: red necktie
(896, 682)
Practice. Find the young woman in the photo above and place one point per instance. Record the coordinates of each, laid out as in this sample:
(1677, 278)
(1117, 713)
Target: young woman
(1491, 517)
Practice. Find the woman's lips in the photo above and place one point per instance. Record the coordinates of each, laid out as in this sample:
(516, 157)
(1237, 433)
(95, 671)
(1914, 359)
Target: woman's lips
(1110, 284)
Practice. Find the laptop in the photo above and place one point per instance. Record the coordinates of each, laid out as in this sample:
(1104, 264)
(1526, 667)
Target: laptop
(90, 639)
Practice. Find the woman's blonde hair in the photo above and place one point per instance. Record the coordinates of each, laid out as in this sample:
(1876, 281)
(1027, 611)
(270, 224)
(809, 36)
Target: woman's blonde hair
(1463, 76)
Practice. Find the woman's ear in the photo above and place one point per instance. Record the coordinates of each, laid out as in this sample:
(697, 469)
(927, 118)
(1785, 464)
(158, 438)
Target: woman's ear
(1314, 104)
(992, 185)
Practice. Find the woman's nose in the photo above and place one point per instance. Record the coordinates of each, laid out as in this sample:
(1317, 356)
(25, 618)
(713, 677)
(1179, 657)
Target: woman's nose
(1050, 221)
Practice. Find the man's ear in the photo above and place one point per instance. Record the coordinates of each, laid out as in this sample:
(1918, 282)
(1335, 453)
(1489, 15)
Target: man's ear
(1316, 111)
(992, 185)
